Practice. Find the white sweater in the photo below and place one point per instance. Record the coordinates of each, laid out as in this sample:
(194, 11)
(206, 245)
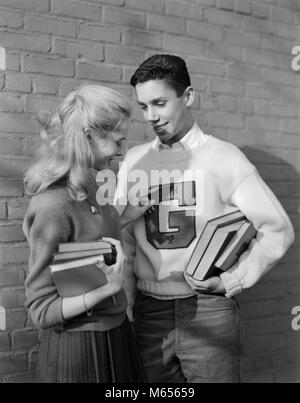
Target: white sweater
(211, 179)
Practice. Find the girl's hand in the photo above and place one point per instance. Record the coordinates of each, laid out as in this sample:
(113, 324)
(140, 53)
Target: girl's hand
(213, 285)
(115, 272)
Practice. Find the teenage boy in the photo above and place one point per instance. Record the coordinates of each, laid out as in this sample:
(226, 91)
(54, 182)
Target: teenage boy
(188, 330)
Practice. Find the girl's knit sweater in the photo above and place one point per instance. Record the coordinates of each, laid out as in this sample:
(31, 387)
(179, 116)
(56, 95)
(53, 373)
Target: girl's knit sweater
(53, 217)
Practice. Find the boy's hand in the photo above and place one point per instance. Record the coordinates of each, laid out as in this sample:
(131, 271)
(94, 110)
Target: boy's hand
(213, 285)
(135, 209)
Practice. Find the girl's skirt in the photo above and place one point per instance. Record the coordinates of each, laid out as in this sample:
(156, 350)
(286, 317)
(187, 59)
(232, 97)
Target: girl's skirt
(90, 356)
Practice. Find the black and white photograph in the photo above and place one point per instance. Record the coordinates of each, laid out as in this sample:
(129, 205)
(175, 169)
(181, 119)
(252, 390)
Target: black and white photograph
(149, 194)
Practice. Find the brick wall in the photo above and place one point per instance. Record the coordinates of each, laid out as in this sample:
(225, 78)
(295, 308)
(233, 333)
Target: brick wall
(239, 54)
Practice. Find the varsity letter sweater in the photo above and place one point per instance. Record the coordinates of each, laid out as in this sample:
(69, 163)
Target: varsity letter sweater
(199, 184)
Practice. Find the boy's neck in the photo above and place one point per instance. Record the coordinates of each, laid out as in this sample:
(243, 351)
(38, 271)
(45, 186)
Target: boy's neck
(188, 126)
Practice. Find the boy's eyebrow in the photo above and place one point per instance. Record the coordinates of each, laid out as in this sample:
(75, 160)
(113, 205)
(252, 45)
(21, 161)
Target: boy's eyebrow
(153, 101)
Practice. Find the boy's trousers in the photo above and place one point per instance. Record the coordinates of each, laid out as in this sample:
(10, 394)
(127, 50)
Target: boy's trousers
(194, 339)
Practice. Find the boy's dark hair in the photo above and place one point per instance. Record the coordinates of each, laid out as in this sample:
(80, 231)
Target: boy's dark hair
(170, 68)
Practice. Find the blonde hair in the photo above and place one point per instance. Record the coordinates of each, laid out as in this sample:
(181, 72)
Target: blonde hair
(65, 151)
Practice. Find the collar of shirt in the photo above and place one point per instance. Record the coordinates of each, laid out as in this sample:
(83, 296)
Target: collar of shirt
(194, 138)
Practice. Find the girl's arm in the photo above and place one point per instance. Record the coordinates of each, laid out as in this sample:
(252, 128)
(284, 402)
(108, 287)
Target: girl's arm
(77, 305)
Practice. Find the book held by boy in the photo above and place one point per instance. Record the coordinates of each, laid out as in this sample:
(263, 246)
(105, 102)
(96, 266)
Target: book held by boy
(238, 245)
(222, 241)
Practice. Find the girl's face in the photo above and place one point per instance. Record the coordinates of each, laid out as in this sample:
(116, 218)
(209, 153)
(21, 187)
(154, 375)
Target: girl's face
(107, 146)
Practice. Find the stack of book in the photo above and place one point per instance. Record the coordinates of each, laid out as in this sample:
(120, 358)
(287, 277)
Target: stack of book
(220, 245)
(74, 267)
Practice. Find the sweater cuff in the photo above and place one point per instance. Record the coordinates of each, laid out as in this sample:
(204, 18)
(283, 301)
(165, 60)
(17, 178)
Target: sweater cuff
(232, 284)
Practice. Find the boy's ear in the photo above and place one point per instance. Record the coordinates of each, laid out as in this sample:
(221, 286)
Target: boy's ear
(189, 96)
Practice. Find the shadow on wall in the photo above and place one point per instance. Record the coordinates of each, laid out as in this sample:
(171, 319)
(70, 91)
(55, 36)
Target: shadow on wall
(270, 347)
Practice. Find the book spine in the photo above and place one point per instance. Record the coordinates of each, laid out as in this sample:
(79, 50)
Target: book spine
(82, 246)
(199, 249)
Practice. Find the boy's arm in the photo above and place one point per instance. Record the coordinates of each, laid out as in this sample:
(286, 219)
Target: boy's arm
(275, 234)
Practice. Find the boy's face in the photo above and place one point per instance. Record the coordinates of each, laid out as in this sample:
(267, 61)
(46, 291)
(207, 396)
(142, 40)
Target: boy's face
(167, 113)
